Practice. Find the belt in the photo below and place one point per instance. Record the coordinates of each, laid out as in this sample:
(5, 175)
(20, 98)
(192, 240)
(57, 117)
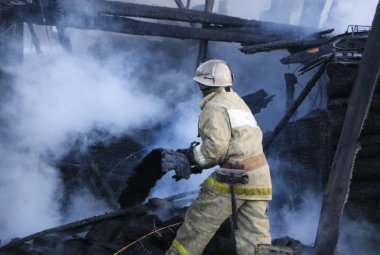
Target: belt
(249, 164)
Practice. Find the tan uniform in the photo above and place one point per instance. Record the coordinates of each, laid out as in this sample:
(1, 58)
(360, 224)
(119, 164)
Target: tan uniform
(231, 138)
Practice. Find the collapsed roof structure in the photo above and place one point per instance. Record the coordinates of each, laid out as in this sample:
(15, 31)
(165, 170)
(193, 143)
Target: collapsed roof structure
(323, 140)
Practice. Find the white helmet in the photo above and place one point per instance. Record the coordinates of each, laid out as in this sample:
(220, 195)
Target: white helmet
(214, 73)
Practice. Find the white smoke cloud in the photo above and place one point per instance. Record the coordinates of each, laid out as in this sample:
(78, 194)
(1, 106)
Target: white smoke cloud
(358, 236)
(349, 12)
(29, 193)
(56, 97)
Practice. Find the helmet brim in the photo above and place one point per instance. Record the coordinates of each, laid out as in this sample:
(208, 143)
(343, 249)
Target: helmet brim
(210, 83)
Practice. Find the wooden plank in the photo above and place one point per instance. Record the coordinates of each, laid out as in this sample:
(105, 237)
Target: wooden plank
(94, 15)
(203, 45)
(337, 189)
(182, 6)
(290, 81)
(81, 224)
(281, 45)
(136, 27)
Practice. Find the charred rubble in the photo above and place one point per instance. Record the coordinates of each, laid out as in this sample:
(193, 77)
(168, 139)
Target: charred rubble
(307, 145)
(310, 142)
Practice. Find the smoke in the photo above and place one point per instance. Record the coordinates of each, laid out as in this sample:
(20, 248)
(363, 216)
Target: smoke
(295, 208)
(349, 12)
(29, 190)
(358, 236)
(57, 95)
(54, 99)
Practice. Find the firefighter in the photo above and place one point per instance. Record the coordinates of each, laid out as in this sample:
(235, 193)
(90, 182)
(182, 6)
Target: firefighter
(231, 139)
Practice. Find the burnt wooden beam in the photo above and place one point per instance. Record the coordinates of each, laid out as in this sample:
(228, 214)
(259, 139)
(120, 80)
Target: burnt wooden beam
(35, 40)
(337, 189)
(290, 81)
(182, 6)
(136, 27)
(280, 45)
(163, 13)
(185, 15)
(304, 93)
(94, 15)
(74, 226)
(258, 100)
(203, 45)
(206, 18)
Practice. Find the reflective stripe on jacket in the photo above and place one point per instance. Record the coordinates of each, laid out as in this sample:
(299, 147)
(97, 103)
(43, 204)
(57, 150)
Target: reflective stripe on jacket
(230, 134)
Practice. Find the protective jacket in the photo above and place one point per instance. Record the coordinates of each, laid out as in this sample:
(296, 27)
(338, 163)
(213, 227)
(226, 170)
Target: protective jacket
(232, 139)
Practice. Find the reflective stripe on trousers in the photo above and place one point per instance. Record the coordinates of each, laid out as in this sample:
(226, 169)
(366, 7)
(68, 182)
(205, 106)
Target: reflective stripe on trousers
(245, 191)
(180, 248)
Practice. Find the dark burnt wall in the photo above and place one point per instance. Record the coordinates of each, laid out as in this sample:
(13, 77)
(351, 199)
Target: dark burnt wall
(305, 149)
(364, 196)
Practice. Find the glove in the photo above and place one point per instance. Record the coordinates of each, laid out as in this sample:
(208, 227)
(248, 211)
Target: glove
(172, 160)
(189, 153)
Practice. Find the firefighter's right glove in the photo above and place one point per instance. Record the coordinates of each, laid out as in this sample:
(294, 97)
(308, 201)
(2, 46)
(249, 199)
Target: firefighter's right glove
(190, 156)
(177, 161)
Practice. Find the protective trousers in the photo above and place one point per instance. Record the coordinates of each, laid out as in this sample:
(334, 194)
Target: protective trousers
(209, 211)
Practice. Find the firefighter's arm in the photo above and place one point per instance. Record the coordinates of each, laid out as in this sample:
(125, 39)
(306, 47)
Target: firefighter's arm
(215, 132)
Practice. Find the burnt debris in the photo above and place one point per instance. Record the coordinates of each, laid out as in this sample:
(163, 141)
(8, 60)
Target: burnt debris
(359, 103)
(305, 147)
(119, 17)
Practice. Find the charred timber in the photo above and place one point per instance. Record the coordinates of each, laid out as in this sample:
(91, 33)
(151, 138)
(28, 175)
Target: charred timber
(130, 26)
(337, 189)
(182, 6)
(80, 225)
(203, 45)
(136, 27)
(115, 17)
(73, 226)
(258, 100)
(184, 15)
(305, 44)
(142, 180)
